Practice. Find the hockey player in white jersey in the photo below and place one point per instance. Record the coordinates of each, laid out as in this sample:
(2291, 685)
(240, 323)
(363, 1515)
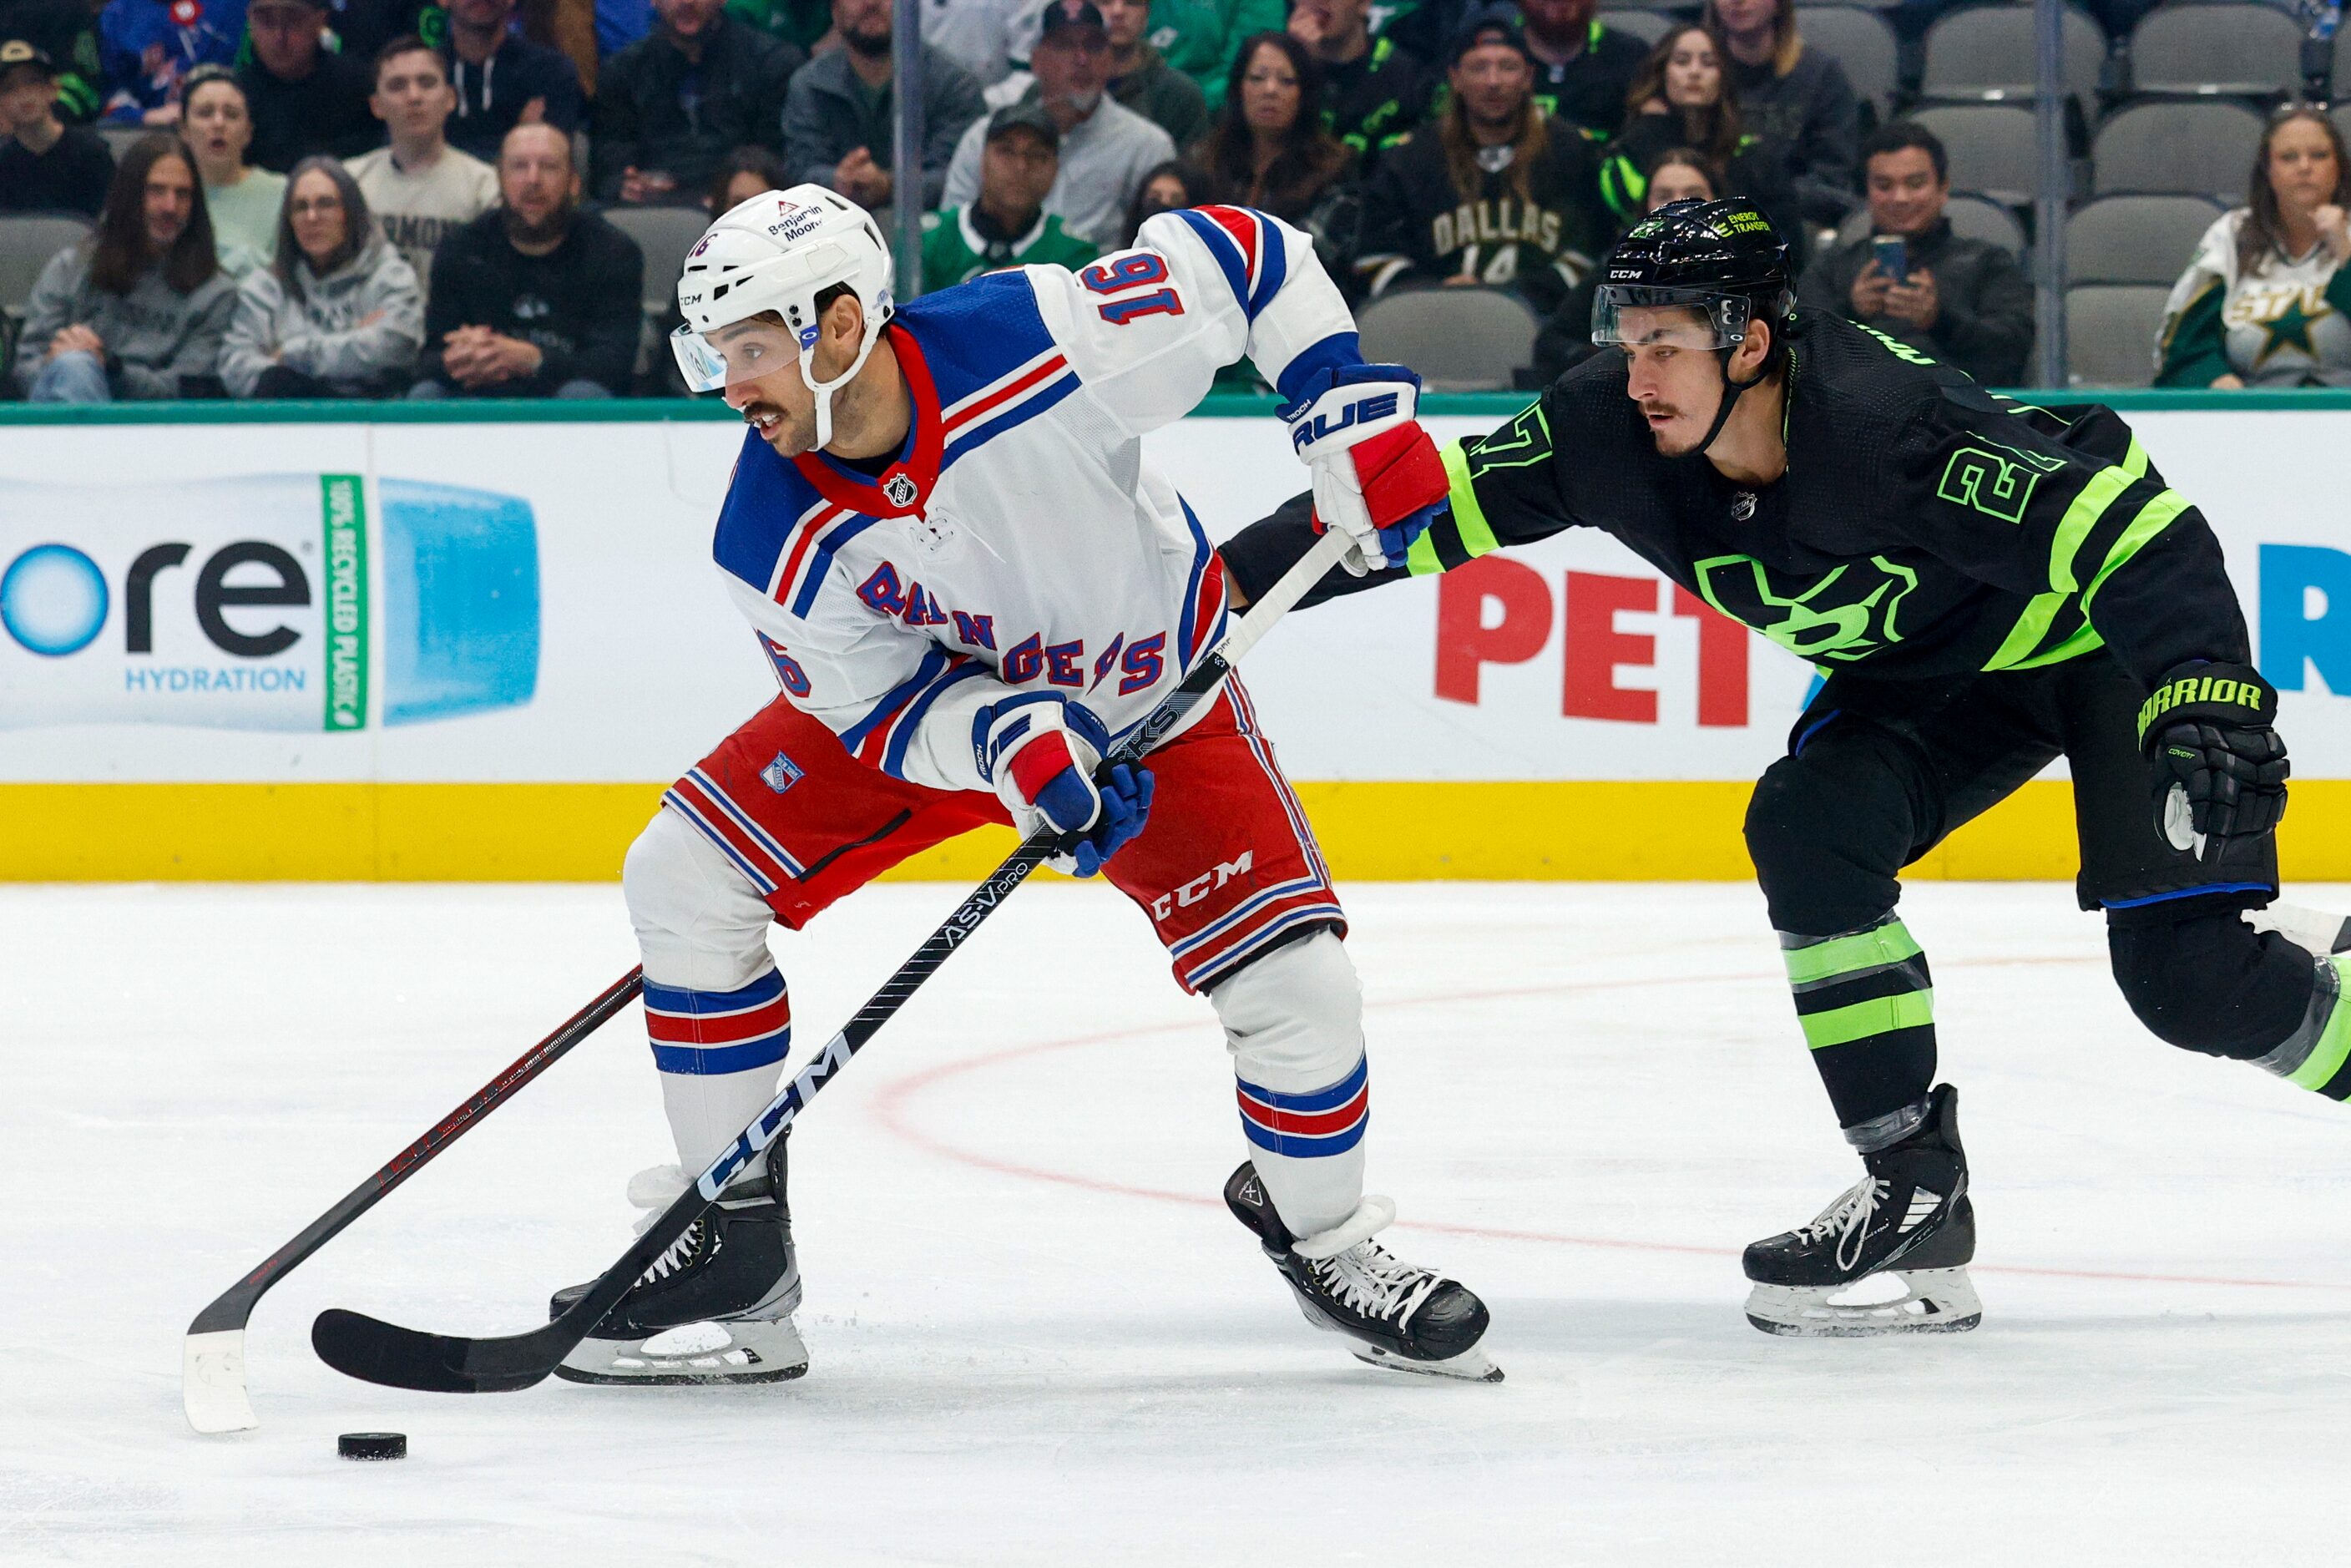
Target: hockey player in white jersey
(969, 584)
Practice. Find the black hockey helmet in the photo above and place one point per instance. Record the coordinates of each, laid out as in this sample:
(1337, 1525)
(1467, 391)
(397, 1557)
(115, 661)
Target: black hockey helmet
(1722, 260)
(1722, 257)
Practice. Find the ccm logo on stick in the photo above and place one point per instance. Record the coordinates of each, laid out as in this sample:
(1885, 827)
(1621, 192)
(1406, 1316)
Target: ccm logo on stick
(1200, 886)
(1496, 611)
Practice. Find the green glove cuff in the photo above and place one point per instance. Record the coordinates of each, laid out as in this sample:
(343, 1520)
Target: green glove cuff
(2230, 694)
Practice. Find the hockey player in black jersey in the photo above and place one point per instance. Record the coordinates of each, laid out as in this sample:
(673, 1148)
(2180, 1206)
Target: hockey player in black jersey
(1987, 586)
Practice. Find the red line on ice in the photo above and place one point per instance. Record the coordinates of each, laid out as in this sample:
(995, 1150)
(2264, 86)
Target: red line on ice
(890, 1107)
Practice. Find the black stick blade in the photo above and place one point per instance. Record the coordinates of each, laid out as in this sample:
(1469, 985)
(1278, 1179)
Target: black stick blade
(374, 1351)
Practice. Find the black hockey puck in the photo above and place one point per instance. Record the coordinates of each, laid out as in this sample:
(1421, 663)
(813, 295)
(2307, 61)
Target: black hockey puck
(373, 1445)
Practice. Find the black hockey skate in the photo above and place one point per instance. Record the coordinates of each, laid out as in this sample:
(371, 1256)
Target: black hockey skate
(1400, 1316)
(1909, 1217)
(716, 1307)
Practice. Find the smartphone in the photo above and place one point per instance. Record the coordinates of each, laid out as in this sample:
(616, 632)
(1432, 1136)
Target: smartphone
(1892, 256)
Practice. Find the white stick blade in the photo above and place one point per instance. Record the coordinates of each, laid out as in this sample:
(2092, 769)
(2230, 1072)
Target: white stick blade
(212, 1381)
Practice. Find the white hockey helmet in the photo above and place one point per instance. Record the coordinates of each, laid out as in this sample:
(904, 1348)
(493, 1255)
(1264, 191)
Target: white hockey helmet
(779, 251)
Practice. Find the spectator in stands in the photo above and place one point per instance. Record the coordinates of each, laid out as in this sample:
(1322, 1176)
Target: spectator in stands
(241, 201)
(1269, 149)
(1680, 99)
(337, 314)
(837, 114)
(672, 105)
(984, 36)
(746, 171)
(1143, 81)
(140, 305)
(502, 79)
(1007, 224)
(46, 165)
(1202, 38)
(1374, 91)
(1493, 192)
(1681, 174)
(1796, 95)
(1582, 69)
(2266, 302)
(535, 298)
(1963, 301)
(147, 47)
(419, 188)
(1165, 188)
(806, 25)
(304, 98)
(66, 31)
(1106, 147)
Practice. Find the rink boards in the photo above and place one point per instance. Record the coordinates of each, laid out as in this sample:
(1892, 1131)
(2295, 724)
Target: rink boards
(453, 645)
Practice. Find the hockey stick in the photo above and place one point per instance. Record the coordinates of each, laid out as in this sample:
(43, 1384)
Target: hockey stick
(377, 1352)
(212, 1375)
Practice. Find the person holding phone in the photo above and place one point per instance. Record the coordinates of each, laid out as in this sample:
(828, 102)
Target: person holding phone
(1964, 302)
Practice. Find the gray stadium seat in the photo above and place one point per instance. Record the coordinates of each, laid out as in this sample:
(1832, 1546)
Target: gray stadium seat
(1459, 340)
(2208, 49)
(2341, 114)
(1646, 26)
(1993, 146)
(664, 234)
(121, 138)
(28, 240)
(2199, 149)
(2136, 239)
(1990, 52)
(2110, 332)
(1980, 217)
(1861, 42)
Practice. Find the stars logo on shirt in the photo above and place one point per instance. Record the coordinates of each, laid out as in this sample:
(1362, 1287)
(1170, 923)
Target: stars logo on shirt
(2289, 329)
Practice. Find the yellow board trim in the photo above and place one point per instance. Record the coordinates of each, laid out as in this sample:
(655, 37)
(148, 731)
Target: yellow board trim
(1670, 831)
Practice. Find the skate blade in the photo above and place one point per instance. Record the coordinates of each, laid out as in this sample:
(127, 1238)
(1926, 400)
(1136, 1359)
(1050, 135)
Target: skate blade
(1471, 1365)
(741, 1350)
(1934, 1300)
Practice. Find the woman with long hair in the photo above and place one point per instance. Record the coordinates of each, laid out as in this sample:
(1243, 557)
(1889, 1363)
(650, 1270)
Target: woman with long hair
(140, 305)
(1794, 94)
(2266, 302)
(1163, 188)
(1268, 148)
(1680, 98)
(242, 200)
(338, 313)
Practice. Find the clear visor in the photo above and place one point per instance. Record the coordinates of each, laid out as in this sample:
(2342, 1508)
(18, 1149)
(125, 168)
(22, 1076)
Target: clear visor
(1640, 316)
(741, 352)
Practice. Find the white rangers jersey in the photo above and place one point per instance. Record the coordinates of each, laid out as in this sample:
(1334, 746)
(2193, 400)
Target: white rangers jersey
(1018, 542)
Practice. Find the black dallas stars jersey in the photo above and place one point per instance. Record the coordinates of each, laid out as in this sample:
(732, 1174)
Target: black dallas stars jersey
(1924, 528)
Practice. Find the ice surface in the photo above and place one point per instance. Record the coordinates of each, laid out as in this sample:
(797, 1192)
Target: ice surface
(1036, 1337)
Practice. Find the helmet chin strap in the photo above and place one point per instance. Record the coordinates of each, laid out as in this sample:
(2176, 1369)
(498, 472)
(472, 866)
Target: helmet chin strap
(824, 389)
(1731, 390)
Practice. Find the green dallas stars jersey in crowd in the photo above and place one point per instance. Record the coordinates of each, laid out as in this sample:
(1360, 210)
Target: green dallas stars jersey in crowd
(955, 251)
(1924, 528)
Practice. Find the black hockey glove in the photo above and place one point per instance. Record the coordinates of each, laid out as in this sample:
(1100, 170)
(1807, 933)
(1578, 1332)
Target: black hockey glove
(2220, 766)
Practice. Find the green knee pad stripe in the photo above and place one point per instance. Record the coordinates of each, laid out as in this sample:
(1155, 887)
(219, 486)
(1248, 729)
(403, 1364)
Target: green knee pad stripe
(1872, 949)
(2333, 1048)
(1843, 1026)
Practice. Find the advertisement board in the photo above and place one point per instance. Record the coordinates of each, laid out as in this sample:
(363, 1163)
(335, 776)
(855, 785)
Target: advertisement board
(425, 647)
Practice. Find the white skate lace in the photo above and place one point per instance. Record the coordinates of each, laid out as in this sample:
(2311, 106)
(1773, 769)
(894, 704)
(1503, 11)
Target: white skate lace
(674, 1257)
(1849, 1218)
(1368, 1280)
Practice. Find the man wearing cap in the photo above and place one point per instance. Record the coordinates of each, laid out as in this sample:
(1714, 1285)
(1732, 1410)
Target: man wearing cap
(838, 114)
(1007, 225)
(66, 31)
(304, 98)
(46, 165)
(1106, 148)
(1493, 192)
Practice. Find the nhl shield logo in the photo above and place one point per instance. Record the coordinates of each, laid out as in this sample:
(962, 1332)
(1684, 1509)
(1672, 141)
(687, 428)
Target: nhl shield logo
(782, 773)
(900, 489)
(1742, 506)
